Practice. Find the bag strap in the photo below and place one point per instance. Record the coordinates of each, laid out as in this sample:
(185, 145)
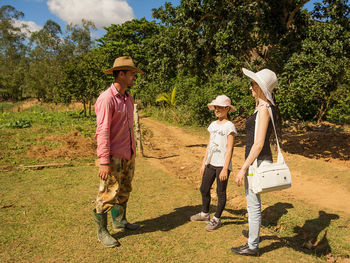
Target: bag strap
(280, 158)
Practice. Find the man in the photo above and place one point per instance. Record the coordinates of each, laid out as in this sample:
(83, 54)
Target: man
(115, 149)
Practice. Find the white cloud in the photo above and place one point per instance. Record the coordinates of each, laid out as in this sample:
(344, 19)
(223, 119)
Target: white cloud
(29, 28)
(101, 12)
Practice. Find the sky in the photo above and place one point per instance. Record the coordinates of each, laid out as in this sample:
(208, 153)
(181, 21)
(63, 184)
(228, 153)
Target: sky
(101, 12)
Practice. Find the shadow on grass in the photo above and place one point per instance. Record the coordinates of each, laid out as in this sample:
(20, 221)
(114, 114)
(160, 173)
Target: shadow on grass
(238, 219)
(306, 237)
(272, 214)
(178, 217)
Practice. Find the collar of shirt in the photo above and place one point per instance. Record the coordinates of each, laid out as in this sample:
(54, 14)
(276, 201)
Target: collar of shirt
(116, 93)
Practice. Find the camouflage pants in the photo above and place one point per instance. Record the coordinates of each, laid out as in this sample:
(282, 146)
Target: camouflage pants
(116, 189)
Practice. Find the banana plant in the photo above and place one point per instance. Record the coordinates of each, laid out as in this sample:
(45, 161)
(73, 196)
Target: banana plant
(168, 98)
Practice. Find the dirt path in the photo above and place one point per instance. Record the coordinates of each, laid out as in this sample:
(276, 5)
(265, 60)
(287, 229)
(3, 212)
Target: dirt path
(180, 153)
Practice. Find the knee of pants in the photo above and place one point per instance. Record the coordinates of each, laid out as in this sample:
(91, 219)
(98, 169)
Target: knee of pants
(254, 209)
(221, 195)
(125, 185)
(123, 198)
(204, 191)
(125, 190)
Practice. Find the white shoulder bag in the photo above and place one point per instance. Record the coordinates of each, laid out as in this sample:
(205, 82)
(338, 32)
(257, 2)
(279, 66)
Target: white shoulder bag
(269, 176)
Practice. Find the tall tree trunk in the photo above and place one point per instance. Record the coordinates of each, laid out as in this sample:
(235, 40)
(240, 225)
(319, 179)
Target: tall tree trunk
(90, 103)
(84, 103)
(322, 111)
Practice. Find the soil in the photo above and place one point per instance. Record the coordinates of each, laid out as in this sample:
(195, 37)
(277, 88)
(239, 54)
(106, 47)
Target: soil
(74, 145)
(180, 153)
(51, 106)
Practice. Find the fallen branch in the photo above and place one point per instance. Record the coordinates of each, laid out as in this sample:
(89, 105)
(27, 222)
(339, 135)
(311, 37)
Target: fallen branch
(41, 166)
(36, 167)
(6, 206)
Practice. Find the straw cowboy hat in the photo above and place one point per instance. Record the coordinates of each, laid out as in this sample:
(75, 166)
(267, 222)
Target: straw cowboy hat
(123, 63)
(222, 101)
(266, 79)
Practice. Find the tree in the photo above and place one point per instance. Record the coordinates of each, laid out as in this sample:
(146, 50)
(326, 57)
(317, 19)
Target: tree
(45, 70)
(13, 63)
(135, 38)
(131, 38)
(314, 73)
(84, 79)
(83, 73)
(213, 35)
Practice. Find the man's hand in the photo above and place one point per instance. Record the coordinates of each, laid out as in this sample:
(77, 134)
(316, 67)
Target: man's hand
(104, 171)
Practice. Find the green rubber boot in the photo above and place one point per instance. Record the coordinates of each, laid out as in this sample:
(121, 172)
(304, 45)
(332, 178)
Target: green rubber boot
(102, 233)
(119, 218)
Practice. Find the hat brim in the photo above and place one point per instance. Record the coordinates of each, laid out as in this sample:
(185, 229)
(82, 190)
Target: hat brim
(253, 76)
(211, 106)
(128, 68)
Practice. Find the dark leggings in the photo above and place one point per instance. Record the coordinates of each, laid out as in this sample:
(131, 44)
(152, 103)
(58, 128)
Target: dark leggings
(210, 173)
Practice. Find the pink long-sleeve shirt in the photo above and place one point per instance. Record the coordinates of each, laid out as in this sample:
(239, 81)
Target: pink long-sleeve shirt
(114, 132)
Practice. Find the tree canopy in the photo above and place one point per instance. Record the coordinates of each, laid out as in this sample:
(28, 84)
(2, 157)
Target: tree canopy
(198, 49)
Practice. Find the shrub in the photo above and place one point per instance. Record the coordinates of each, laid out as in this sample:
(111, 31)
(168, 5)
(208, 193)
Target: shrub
(19, 124)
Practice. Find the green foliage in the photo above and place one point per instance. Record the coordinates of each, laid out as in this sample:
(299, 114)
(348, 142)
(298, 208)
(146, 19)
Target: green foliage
(168, 98)
(215, 39)
(313, 74)
(132, 38)
(45, 64)
(19, 124)
(197, 50)
(83, 78)
(5, 106)
(30, 128)
(339, 111)
(13, 61)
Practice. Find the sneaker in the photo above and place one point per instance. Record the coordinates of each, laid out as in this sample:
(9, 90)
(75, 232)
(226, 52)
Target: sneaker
(245, 251)
(200, 217)
(212, 225)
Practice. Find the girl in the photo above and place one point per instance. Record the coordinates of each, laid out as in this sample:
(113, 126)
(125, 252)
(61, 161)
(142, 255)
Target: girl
(262, 85)
(217, 161)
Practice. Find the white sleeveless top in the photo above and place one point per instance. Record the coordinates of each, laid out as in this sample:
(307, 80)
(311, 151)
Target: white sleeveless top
(218, 142)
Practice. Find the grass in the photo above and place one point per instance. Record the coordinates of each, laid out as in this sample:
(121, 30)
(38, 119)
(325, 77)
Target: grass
(53, 222)
(46, 215)
(17, 141)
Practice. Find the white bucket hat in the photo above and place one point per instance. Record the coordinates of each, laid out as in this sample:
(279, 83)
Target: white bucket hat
(222, 101)
(266, 79)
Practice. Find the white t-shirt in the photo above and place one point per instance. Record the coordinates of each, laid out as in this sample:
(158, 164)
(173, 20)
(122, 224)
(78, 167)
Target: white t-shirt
(218, 142)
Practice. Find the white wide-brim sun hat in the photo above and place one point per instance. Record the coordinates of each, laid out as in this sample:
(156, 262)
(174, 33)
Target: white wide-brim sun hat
(266, 79)
(222, 101)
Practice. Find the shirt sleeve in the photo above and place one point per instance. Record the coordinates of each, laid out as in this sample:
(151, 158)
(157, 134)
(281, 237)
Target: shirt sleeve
(104, 110)
(210, 128)
(231, 128)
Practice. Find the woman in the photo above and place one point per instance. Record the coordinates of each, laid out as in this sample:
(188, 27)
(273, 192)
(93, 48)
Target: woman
(262, 85)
